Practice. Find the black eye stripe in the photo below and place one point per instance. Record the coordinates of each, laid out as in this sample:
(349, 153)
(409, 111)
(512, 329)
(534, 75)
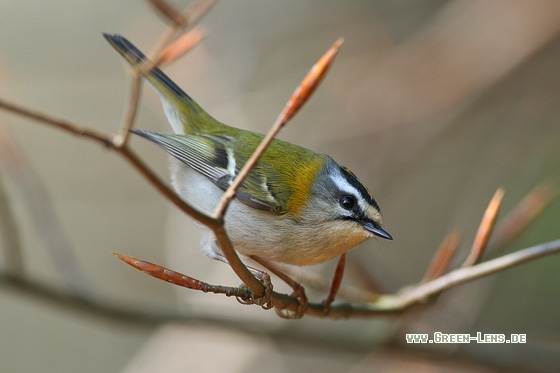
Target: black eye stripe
(361, 188)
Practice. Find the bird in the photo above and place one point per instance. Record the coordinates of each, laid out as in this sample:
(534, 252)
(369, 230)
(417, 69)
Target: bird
(296, 206)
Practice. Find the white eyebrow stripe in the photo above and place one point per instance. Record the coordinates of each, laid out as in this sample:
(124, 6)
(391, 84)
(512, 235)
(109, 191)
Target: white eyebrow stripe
(343, 184)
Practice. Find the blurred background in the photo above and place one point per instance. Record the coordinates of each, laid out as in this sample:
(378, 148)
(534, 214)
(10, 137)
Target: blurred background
(433, 104)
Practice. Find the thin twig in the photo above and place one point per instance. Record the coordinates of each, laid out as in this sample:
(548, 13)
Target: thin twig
(335, 283)
(462, 275)
(485, 229)
(524, 214)
(298, 98)
(11, 242)
(90, 133)
(132, 109)
(188, 19)
(180, 279)
(169, 12)
(164, 53)
(107, 139)
(111, 310)
(443, 256)
(198, 10)
(315, 281)
(276, 270)
(179, 47)
(157, 183)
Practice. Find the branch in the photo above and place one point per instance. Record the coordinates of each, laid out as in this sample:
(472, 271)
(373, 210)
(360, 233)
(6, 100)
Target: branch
(460, 276)
(385, 304)
(391, 304)
(112, 142)
(104, 138)
(443, 256)
(110, 310)
(525, 213)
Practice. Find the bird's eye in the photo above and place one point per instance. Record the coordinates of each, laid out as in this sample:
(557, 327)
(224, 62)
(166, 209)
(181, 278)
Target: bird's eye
(348, 202)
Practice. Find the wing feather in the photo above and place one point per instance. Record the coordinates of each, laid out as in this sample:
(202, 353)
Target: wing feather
(211, 156)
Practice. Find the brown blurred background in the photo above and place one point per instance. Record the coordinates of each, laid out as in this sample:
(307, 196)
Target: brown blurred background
(434, 104)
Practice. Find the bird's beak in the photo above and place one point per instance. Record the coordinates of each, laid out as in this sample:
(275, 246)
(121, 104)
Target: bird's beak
(377, 230)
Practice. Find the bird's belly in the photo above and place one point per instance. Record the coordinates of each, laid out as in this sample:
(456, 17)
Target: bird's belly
(284, 240)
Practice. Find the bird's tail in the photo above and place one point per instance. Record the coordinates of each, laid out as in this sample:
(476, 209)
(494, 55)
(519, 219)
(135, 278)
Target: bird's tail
(183, 113)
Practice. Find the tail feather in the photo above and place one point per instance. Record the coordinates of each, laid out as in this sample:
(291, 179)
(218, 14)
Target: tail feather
(183, 113)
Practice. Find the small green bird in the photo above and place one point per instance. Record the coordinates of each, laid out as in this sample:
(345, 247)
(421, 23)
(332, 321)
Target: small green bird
(296, 206)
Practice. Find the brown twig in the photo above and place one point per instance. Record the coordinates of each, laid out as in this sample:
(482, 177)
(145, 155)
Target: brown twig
(524, 214)
(335, 283)
(107, 139)
(298, 98)
(180, 46)
(275, 269)
(132, 109)
(315, 281)
(298, 290)
(189, 17)
(444, 255)
(235, 263)
(180, 279)
(418, 294)
(9, 232)
(198, 10)
(485, 229)
(169, 12)
(93, 134)
(462, 275)
(113, 310)
(166, 52)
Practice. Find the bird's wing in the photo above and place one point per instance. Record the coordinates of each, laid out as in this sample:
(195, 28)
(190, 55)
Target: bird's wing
(212, 156)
